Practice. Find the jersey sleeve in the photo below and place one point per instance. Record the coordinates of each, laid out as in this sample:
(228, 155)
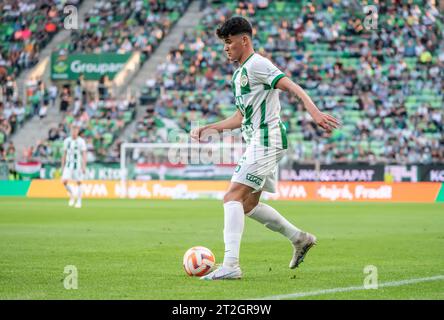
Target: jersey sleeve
(267, 73)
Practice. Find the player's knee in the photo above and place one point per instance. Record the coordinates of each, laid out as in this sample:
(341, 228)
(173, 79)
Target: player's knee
(250, 204)
(231, 196)
(234, 196)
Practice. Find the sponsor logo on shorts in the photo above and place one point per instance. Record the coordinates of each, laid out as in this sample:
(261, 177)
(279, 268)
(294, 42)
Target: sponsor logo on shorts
(254, 179)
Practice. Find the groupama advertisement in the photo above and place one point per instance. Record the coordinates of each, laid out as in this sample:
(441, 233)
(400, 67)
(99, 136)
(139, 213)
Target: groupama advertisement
(92, 66)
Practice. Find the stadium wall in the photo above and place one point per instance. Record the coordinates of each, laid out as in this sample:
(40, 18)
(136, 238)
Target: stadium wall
(292, 172)
(294, 191)
(14, 188)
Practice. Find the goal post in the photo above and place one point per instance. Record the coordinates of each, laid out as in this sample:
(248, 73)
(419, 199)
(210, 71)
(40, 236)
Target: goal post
(178, 161)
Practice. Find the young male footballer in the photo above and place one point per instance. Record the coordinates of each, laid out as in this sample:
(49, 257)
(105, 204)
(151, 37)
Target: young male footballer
(256, 84)
(74, 165)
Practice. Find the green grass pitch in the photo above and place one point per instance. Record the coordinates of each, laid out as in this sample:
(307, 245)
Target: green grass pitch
(125, 249)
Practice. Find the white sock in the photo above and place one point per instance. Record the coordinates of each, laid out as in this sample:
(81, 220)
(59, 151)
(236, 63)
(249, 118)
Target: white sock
(69, 189)
(79, 193)
(233, 228)
(273, 220)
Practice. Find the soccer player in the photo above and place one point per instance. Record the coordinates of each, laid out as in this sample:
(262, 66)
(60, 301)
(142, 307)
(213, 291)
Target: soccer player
(74, 164)
(256, 84)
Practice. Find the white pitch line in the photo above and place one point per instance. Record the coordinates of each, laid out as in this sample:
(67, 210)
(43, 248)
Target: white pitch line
(356, 288)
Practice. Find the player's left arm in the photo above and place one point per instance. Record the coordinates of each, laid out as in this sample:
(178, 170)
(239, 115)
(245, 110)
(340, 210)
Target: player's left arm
(324, 120)
(84, 161)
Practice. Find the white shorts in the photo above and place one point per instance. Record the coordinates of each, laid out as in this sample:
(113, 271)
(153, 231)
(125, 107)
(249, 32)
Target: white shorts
(258, 168)
(71, 174)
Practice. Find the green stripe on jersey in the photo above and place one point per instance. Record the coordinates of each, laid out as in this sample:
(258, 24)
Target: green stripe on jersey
(275, 80)
(266, 142)
(75, 155)
(283, 135)
(263, 125)
(248, 114)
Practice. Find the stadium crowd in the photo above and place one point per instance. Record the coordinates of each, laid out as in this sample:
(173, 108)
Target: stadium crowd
(110, 26)
(384, 81)
(101, 121)
(125, 26)
(385, 85)
(26, 27)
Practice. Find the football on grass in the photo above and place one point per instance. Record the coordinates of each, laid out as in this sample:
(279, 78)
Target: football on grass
(198, 261)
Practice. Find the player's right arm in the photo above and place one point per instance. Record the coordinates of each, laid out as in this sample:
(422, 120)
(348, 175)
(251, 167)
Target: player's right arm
(233, 122)
(64, 154)
(63, 159)
(324, 120)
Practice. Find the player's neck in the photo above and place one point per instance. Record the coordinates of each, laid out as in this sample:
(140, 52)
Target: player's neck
(245, 56)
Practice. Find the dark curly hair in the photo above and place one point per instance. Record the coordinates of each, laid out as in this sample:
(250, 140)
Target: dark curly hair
(234, 26)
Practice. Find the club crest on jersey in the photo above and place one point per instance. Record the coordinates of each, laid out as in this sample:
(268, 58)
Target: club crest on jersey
(243, 80)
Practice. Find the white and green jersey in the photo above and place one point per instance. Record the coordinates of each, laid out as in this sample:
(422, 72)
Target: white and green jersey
(257, 99)
(74, 152)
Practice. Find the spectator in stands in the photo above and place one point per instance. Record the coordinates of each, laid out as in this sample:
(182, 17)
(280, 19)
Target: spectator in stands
(10, 88)
(53, 134)
(103, 87)
(13, 122)
(36, 100)
(52, 94)
(5, 127)
(41, 150)
(10, 153)
(65, 99)
(2, 153)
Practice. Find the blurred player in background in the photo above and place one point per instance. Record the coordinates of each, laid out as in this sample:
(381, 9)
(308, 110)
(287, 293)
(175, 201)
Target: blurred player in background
(256, 84)
(74, 165)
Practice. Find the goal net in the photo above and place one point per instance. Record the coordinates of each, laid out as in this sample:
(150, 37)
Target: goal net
(179, 161)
